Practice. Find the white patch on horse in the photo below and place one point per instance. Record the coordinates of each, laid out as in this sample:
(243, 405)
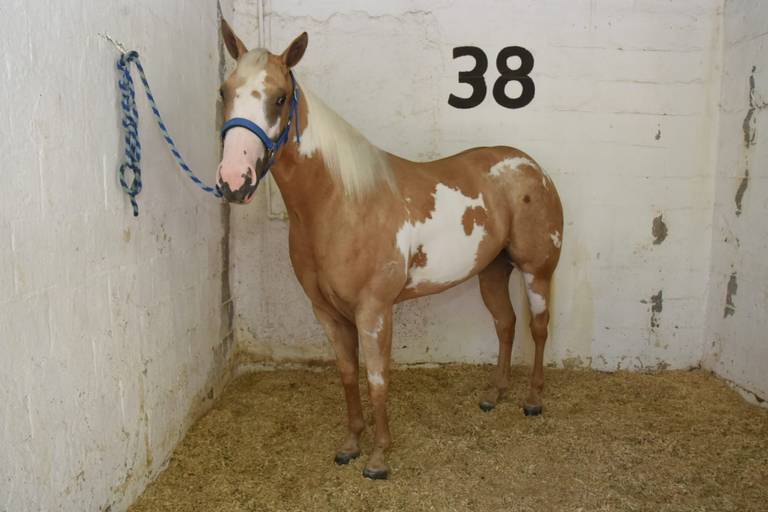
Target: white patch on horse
(510, 164)
(403, 242)
(536, 302)
(374, 333)
(555, 239)
(375, 378)
(308, 143)
(359, 165)
(451, 253)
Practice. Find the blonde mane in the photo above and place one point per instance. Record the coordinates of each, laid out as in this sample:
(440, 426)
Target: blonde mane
(358, 164)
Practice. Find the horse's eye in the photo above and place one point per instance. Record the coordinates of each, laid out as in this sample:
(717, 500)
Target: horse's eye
(221, 93)
(280, 100)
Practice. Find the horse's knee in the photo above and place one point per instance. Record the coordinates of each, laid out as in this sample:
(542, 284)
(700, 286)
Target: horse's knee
(505, 326)
(377, 391)
(348, 377)
(539, 326)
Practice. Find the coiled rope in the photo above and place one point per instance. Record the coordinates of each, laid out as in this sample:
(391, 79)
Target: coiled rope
(129, 172)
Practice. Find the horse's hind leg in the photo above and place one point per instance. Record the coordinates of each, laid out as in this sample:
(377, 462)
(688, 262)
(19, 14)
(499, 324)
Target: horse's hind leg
(537, 286)
(494, 288)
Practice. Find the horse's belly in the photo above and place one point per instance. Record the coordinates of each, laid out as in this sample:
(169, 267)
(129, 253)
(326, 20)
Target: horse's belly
(444, 248)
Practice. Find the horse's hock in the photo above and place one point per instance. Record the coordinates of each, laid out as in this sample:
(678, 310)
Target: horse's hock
(504, 256)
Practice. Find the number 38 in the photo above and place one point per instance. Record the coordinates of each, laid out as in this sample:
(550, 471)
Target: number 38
(476, 77)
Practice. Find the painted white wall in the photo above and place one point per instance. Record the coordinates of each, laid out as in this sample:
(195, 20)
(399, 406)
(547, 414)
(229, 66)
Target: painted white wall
(110, 326)
(622, 119)
(737, 343)
(113, 332)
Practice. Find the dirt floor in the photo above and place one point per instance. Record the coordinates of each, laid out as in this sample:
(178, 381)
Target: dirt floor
(623, 441)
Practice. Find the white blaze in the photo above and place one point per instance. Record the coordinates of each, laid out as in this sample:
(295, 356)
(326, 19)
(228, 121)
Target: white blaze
(250, 101)
(242, 149)
(451, 253)
(250, 107)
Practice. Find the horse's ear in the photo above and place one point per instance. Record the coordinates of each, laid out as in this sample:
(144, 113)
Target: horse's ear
(234, 45)
(293, 54)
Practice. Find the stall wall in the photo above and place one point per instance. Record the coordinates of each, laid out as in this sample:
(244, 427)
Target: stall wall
(622, 120)
(112, 330)
(737, 336)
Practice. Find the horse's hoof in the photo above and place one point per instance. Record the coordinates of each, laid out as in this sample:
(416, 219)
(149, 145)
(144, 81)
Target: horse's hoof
(345, 458)
(486, 406)
(376, 474)
(532, 410)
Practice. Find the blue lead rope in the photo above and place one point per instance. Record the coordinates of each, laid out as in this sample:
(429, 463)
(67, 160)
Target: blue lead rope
(132, 185)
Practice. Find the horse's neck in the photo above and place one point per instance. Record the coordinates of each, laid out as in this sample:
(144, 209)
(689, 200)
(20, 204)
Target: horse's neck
(304, 183)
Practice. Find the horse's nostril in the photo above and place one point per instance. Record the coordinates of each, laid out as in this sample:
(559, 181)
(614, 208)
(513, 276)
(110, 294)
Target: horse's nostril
(241, 194)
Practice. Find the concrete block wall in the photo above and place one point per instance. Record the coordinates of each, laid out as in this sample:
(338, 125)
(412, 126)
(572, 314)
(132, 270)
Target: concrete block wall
(115, 331)
(737, 326)
(112, 331)
(623, 120)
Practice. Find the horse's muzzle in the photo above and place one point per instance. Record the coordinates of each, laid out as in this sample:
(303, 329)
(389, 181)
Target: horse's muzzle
(242, 195)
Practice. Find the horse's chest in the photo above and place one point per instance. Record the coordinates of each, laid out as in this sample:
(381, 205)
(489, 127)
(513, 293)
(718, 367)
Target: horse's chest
(443, 247)
(330, 262)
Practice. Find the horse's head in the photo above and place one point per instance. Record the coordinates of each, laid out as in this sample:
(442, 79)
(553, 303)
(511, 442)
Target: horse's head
(259, 97)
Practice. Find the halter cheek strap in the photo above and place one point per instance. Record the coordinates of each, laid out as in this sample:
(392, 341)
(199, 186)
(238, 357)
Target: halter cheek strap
(271, 146)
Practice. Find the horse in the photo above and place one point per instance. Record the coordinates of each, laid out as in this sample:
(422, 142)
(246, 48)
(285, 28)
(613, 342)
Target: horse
(369, 229)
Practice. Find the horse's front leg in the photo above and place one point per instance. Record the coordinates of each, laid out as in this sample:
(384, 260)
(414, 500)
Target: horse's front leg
(374, 327)
(343, 336)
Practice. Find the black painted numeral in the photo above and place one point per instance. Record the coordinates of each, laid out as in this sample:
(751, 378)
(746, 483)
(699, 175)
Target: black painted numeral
(476, 77)
(514, 75)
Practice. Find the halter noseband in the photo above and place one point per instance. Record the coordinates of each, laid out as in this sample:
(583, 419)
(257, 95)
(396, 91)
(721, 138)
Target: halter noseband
(271, 146)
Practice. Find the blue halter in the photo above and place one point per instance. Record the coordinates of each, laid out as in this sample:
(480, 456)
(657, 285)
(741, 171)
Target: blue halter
(271, 146)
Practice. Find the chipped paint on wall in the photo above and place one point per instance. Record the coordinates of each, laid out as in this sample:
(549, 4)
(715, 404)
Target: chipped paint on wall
(743, 184)
(730, 291)
(737, 301)
(657, 306)
(749, 126)
(659, 229)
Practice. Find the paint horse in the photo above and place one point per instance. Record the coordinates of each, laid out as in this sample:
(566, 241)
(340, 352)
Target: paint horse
(369, 229)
